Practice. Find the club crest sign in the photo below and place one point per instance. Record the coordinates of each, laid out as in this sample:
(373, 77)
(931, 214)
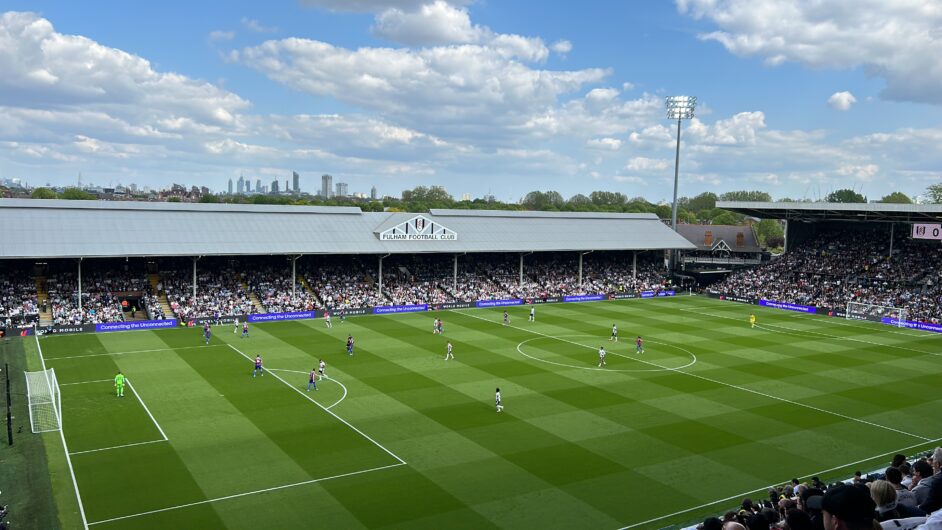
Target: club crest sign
(419, 228)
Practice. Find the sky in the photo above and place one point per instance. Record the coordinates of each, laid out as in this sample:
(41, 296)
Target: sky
(796, 98)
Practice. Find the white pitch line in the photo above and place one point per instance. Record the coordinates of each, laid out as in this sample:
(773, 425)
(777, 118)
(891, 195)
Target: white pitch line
(147, 410)
(88, 382)
(746, 493)
(245, 494)
(65, 447)
(344, 396)
(307, 397)
(623, 370)
(721, 383)
(117, 447)
(807, 332)
(129, 352)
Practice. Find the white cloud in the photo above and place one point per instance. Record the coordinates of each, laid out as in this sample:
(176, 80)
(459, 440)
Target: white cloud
(562, 47)
(371, 6)
(219, 35)
(897, 41)
(864, 172)
(452, 91)
(605, 144)
(434, 23)
(253, 25)
(626, 86)
(841, 100)
(740, 129)
(648, 164)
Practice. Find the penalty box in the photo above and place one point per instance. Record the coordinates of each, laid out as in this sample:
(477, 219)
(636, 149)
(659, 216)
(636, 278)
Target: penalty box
(96, 419)
(229, 434)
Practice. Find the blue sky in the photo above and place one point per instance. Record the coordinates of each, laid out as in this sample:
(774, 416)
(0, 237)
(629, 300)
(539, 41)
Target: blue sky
(795, 98)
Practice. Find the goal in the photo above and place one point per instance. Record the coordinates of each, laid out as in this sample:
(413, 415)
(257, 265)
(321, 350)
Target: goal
(42, 392)
(877, 313)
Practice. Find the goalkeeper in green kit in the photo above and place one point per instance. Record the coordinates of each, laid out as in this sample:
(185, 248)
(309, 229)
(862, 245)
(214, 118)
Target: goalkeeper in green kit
(119, 384)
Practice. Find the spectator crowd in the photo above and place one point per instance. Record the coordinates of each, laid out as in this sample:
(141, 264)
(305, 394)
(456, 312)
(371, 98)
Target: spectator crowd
(836, 268)
(907, 495)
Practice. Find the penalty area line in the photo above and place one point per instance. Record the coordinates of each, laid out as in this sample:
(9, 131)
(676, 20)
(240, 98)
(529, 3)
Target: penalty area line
(344, 396)
(245, 494)
(307, 397)
(117, 447)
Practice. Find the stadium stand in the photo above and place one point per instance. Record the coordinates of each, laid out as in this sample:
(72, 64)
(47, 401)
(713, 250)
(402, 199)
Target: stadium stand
(838, 266)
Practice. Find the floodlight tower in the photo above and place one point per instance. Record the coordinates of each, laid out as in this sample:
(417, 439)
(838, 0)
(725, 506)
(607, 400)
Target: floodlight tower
(678, 108)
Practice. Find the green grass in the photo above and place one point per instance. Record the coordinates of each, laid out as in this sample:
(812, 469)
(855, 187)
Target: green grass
(712, 411)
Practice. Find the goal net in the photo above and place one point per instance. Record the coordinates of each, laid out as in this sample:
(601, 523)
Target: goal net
(876, 313)
(42, 392)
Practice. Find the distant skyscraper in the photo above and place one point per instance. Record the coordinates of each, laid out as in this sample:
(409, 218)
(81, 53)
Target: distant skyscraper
(342, 189)
(466, 197)
(230, 186)
(373, 193)
(258, 185)
(274, 186)
(327, 183)
(241, 184)
(297, 182)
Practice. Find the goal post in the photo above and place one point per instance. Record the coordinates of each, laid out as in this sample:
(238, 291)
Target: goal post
(45, 402)
(895, 316)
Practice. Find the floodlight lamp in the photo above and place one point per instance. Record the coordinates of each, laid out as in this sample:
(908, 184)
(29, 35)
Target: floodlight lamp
(680, 107)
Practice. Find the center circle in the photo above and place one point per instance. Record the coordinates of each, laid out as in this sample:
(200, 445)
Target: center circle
(564, 338)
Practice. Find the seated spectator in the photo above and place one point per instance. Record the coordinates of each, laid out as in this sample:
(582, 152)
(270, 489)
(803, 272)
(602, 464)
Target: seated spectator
(884, 496)
(848, 507)
(904, 497)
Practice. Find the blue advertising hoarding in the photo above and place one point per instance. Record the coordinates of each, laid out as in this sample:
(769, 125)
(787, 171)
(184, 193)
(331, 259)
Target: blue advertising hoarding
(584, 298)
(788, 307)
(498, 303)
(924, 326)
(393, 309)
(135, 325)
(277, 317)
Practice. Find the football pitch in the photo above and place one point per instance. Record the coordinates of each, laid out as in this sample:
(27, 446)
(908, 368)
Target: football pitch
(397, 437)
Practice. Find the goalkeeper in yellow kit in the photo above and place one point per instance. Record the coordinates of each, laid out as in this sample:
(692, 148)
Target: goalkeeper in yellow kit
(119, 384)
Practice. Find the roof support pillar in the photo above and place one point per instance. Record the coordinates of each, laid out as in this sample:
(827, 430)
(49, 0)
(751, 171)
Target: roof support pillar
(634, 264)
(580, 265)
(785, 244)
(381, 274)
(454, 278)
(580, 269)
(892, 227)
(294, 275)
(195, 259)
(521, 270)
(79, 293)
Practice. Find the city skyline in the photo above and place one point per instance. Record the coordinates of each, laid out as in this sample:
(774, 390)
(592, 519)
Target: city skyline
(512, 98)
